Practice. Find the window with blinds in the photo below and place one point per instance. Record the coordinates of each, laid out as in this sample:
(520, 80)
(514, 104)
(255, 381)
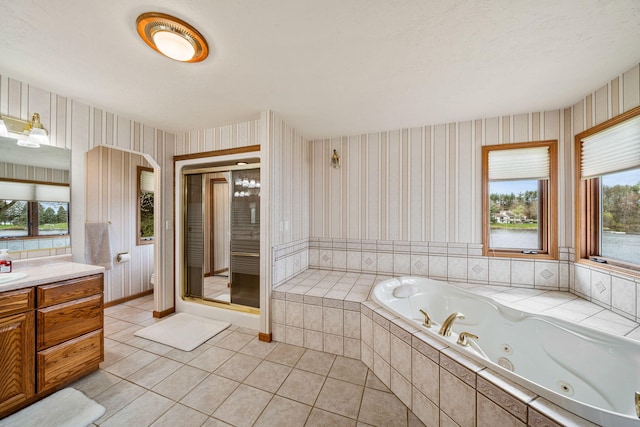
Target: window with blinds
(519, 199)
(31, 209)
(608, 192)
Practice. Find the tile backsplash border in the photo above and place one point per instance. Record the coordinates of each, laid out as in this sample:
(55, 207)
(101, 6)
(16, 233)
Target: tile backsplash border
(37, 248)
(460, 262)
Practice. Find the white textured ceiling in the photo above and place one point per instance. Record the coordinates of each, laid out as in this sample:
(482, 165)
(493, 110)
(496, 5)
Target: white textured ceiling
(329, 67)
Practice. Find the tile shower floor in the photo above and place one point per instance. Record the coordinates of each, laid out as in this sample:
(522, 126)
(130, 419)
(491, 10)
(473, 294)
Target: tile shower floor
(233, 379)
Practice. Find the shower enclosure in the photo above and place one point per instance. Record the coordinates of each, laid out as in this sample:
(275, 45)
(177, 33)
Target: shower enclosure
(222, 236)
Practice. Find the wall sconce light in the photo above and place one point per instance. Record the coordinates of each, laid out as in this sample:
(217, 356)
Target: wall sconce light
(335, 160)
(28, 133)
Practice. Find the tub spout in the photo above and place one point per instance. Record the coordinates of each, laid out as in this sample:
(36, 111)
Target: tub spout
(445, 330)
(638, 403)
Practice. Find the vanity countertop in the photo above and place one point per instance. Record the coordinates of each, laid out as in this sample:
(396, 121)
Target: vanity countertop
(48, 273)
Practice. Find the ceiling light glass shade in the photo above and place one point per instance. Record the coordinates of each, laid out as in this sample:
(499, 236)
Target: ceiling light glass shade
(174, 45)
(172, 37)
(3, 129)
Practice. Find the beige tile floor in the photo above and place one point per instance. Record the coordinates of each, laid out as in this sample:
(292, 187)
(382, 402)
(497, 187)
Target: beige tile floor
(233, 379)
(214, 286)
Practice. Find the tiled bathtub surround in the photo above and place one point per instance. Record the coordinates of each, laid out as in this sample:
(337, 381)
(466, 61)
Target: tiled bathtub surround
(459, 262)
(290, 259)
(321, 310)
(455, 262)
(327, 310)
(614, 291)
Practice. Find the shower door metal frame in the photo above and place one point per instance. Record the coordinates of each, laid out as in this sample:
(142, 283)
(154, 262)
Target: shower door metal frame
(202, 300)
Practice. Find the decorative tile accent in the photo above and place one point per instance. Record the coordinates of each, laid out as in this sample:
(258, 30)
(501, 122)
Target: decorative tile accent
(457, 369)
(419, 264)
(478, 270)
(546, 274)
(601, 287)
(507, 401)
(427, 346)
(491, 414)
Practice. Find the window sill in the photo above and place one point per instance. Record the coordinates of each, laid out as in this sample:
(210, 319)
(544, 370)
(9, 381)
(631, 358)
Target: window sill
(513, 254)
(633, 271)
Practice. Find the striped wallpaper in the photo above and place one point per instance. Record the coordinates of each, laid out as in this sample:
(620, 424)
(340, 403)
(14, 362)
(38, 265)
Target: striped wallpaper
(113, 197)
(81, 128)
(418, 184)
(424, 183)
(33, 173)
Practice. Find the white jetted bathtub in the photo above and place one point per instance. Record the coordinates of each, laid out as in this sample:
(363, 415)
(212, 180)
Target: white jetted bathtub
(593, 374)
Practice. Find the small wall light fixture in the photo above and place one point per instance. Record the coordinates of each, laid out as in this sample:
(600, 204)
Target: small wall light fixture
(335, 160)
(29, 133)
(172, 37)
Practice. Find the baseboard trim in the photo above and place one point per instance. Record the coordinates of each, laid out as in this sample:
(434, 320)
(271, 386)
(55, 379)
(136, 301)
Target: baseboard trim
(163, 313)
(264, 337)
(129, 298)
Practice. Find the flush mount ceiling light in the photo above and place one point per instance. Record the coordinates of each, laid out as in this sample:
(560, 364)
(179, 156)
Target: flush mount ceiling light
(172, 37)
(28, 133)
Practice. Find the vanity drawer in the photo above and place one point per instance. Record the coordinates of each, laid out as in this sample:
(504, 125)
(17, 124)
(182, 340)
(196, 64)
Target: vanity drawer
(69, 290)
(70, 360)
(19, 301)
(69, 320)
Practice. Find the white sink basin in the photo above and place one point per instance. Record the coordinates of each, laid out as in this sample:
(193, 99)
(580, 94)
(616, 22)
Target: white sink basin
(10, 277)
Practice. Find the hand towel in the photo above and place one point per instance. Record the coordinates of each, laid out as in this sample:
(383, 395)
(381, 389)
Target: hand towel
(97, 245)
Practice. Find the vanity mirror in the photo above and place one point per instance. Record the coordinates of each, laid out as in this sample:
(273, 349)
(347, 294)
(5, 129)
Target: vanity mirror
(34, 197)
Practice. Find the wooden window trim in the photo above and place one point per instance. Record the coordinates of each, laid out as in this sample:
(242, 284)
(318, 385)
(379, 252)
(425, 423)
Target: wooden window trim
(548, 215)
(587, 206)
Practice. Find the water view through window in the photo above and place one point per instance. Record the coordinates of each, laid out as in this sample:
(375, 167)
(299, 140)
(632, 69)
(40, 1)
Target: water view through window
(514, 214)
(620, 213)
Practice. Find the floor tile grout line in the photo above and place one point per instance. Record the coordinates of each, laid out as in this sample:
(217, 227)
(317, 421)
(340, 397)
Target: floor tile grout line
(262, 358)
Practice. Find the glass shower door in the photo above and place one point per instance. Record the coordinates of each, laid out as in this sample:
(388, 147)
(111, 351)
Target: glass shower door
(194, 241)
(245, 238)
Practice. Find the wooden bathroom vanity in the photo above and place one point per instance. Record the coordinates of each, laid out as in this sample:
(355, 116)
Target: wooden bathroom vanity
(51, 331)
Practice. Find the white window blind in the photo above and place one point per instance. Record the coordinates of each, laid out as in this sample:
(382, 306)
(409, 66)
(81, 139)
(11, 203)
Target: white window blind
(146, 181)
(52, 193)
(33, 192)
(519, 163)
(612, 150)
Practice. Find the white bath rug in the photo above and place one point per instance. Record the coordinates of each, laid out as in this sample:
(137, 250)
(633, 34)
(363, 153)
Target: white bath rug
(183, 331)
(223, 297)
(65, 408)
